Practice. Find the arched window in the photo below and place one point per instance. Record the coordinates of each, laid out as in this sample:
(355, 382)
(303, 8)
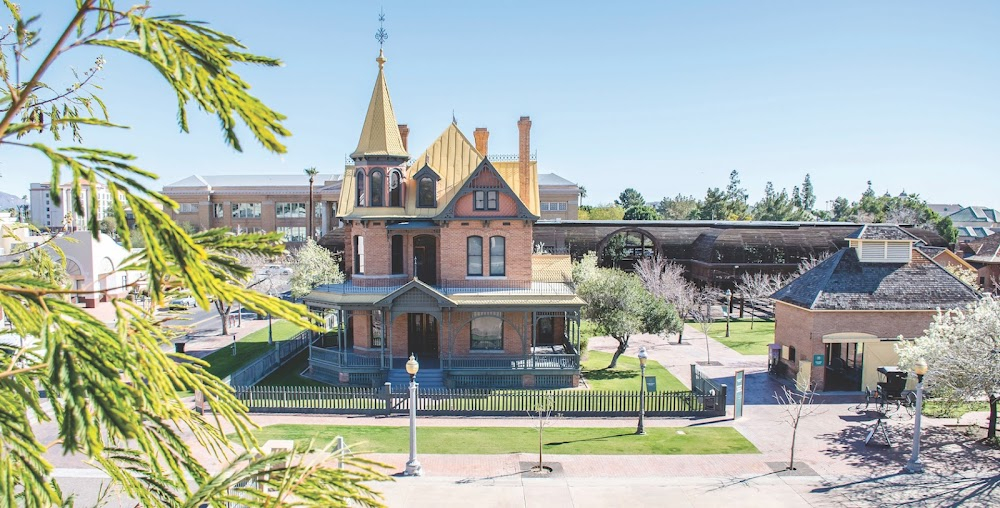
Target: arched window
(359, 181)
(498, 256)
(395, 188)
(486, 333)
(426, 194)
(474, 256)
(377, 188)
(359, 254)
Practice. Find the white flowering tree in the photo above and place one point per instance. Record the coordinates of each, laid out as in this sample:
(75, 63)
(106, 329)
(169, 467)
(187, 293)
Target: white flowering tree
(962, 349)
(665, 280)
(312, 266)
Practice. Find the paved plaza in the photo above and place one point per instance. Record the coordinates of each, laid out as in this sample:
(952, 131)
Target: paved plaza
(834, 467)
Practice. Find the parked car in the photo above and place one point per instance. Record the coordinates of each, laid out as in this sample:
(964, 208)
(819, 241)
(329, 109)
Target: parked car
(181, 303)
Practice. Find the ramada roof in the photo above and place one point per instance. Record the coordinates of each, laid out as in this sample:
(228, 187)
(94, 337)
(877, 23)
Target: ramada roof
(843, 282)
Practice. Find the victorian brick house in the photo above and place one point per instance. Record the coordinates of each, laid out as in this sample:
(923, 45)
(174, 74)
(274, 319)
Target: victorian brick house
(439, 255)
(837, 323)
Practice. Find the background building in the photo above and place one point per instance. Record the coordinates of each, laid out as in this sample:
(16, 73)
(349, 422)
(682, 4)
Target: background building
(559, 198)
(47, 214)
(257, 203)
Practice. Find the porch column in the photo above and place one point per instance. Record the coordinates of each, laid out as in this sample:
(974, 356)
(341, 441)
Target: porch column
(385, 339)
(326, 219)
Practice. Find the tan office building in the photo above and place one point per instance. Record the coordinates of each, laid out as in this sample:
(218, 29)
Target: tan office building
(257, 203)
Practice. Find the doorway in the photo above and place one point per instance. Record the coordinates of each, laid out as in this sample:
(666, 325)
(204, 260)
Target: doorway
(545, 334)
(422, 335)
(425, 259)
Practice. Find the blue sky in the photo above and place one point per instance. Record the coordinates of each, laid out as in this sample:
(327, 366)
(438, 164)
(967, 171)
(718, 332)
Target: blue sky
(666, 97)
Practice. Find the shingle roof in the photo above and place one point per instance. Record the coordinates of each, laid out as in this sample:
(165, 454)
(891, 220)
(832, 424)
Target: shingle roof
(842, 282)
(986, 250)
(882, 232)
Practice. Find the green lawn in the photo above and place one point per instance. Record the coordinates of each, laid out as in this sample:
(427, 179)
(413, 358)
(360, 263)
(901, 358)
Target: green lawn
(938, 408)
(288, 374)
(504, 440)
(222, 362)
(741, 338)
(625, 376)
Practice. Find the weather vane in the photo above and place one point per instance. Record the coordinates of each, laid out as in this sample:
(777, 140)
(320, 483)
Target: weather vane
(381, 35)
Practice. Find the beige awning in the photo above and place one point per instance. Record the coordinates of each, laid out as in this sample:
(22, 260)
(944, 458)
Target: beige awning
(845, 337)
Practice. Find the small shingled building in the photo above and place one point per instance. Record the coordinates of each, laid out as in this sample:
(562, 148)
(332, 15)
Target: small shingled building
(837, 323)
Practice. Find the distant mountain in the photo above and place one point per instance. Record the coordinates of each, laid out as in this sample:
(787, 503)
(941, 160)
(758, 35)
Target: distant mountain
(8, 201)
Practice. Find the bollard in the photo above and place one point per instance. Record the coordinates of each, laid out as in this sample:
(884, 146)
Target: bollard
(234, 344)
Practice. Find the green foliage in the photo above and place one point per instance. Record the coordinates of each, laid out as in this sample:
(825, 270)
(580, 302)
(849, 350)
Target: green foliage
(625, 375)
(602, 212)
(629, 198)
(619, 305)
(113, 389)
(902, 209)
(109, 226)
(222, 363)
(774, 206)
(641, 212)
(314, 266)
(679, 207)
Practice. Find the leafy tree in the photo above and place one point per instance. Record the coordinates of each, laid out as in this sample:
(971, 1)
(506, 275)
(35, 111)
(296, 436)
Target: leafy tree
(713, 207)
(774, 206)
(619, 305)
(902, 209)
(312, 266)
(605, 212)
(737, 207)
(808, 194)
(841, 209)
(109, 225)
(113, 390)
(962, 349)
(679, 207)
(629, 198)
(641, 212)
(248, 271)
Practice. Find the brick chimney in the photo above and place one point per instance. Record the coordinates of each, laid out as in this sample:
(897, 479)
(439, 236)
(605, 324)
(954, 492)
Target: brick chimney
(482, 139)
(524, 158)
(404, 131)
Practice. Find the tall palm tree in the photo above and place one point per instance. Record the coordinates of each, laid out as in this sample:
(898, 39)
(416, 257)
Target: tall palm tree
(312, 175)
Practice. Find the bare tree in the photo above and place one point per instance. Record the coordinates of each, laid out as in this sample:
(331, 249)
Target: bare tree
(665, 280)
(808, 264)
(797, 404)
(267, 277)
(758, 287)
(542, 413)
(701, 313)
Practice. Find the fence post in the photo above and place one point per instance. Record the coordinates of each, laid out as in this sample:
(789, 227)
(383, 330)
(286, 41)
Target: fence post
(388, 398)
(694, 375)
(723, 399)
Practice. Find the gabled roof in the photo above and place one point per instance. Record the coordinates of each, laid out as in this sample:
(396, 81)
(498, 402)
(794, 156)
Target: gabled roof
(972, 214)
(882, 232)
(448, 212)
(420, 287)
(552, 179)
(987, 250)
(380, 134)
(842, 282)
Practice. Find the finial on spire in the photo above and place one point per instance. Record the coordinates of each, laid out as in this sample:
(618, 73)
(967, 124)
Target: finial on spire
(381, 35)
(453, 120)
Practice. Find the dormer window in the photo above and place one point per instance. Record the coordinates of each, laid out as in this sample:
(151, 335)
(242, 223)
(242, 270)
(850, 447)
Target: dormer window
(395, 188)
(426, 193)
(377, 187)
(359, 182)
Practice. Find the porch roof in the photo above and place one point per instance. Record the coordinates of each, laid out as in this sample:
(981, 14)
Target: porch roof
(320, 297)
(513, 300)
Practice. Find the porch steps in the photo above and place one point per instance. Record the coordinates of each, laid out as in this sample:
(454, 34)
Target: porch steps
(427, 378)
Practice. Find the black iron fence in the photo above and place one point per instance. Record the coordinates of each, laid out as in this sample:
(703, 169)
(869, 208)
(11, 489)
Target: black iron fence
(387, 400)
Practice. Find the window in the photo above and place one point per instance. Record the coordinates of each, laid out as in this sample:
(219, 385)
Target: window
(498, 255)
(376, 337)
(220, 210)
(474, 255)
(293, 233)
(318, 210)
(397, 254)
(359, 182)
(189, 208)
(485, 200)
(377, 187)
(553, 207)
(246, 210)
(425, 193)
(486, 332)
(289, 210)
(359, 254)
(395, 189)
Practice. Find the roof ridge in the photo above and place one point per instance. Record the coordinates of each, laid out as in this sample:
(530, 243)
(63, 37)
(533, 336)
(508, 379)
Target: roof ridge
(839, 255)
(952, 275)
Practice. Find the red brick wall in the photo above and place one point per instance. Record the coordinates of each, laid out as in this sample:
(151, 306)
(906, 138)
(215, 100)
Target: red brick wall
(460, 323)
(518, 237)
(506, 206)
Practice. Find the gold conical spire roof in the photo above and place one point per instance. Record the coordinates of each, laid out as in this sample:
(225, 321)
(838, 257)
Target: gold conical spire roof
(380, 134)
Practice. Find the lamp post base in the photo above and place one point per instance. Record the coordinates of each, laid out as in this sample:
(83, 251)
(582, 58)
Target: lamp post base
(413, 468)
(914, 467)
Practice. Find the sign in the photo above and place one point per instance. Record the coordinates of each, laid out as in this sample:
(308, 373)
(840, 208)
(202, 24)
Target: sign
(817, 360)
(738, 405)
(650, 383)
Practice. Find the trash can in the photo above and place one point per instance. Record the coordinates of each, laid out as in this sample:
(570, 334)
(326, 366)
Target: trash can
(179, 346)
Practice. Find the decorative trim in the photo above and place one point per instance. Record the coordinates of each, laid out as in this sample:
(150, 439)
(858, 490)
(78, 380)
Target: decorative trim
(448, 213)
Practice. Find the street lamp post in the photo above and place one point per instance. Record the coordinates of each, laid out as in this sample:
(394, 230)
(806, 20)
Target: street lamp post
(729, 308)
(641, 429)
(914, 465)
(413, 467)
(270, 332)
